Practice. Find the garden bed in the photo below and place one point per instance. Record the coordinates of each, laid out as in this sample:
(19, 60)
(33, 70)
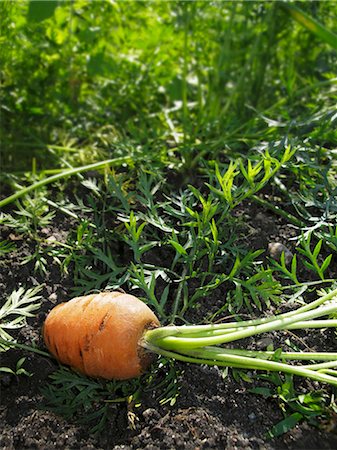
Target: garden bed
(211, 411)
(184, 152)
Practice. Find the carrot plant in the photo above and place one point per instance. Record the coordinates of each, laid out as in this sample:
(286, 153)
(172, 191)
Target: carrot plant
(14, 312)
(102, 335)
(20, 305)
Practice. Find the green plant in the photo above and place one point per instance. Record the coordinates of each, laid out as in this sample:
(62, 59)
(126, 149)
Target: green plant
(89, 401)
(133, 235)
(19, 305)
(312, 256)
(6, 247)
(296, 407)
(29, 217)
(255, 177)
(63, 174)
(90, 277)
(310, 24)
(14, 312)
(19, 369)
(92, 402)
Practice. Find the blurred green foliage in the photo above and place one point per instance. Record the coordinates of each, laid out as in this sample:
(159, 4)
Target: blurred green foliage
(96, 74)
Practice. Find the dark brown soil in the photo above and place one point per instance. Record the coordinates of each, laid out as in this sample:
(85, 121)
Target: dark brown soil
(210, 412)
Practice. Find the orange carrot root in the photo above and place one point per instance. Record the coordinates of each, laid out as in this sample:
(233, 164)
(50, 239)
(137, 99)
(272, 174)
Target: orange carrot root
(99, 334)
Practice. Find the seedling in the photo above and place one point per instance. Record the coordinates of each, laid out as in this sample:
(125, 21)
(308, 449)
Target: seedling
(13, 314)
(19, 369)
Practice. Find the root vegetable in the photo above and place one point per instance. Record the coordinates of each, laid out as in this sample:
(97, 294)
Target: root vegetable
(113, 335)
(99, 334)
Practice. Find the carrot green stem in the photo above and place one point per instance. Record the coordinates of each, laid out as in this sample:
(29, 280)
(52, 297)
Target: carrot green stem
(256, 363)
(184, 330)
(280, 323)
(277, 210)
(219, 357)
(330, 372)
(330, 357)
(198, 344)
(323, 366)
(327, 323)
(332, 323)
(283, 320)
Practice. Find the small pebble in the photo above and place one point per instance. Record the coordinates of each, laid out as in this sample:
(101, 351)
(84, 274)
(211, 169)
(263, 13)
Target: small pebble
(264, 343)
(14, 237)
(53, 297)
(276, 249)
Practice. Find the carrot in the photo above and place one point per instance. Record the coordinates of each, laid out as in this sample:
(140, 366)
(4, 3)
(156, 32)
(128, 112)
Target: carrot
(99, 334)
(113, 335)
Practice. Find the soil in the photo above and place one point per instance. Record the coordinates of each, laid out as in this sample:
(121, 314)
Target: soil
(211, 412)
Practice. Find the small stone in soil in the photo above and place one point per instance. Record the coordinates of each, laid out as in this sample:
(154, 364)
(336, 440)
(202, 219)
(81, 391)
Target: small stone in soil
(276, 249)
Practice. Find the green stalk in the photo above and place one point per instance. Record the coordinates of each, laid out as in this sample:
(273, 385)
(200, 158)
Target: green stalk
(311, 24)
(256, 363)
(327, 323)
(186, 330)
(309, 306)
(332, 323)
(218, 357)
(198, 344)
(307, 284)
(330, 372)
(322, 366)
(331, 357)
(280, 323)
(177, 299)
(25, 347)
(64, 174)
